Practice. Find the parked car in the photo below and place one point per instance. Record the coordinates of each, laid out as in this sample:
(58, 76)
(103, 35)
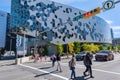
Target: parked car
(104, 55)
(82, 54)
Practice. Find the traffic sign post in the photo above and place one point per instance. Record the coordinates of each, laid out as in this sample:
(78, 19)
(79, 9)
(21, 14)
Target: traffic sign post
(107, 5)
(77, 17)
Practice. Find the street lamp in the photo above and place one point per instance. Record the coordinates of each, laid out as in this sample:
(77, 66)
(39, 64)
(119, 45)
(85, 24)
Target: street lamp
(35, 41)
(24, 45)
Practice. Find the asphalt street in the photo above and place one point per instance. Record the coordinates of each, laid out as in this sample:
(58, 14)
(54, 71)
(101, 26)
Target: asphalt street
(102, 70)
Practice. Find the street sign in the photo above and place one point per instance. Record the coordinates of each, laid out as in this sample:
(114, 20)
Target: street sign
(108, 5)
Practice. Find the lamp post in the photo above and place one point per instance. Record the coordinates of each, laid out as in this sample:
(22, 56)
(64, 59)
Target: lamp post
(35, 41)
(24, 45)
(9, 35)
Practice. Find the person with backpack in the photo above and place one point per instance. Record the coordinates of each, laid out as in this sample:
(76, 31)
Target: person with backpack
(72, 64)
(88, 62)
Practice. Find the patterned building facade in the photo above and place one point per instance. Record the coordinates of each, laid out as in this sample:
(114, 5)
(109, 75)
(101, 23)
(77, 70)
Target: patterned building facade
(53, 16)
(57, 21)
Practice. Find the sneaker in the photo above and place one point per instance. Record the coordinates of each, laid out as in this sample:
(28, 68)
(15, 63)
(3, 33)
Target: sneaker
(84, 74)
(91, 76)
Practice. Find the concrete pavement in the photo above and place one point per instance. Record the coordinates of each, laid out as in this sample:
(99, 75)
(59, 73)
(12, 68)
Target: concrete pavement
(42, 70)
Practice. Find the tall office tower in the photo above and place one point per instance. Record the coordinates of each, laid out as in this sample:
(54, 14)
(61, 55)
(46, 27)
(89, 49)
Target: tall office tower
(3, 28)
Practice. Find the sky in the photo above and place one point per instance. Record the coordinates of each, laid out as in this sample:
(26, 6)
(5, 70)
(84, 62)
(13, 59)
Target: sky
(111, 16)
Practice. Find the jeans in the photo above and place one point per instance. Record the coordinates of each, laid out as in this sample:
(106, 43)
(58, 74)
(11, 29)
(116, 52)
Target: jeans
(73, 72)
(53, 63)
(88, 68)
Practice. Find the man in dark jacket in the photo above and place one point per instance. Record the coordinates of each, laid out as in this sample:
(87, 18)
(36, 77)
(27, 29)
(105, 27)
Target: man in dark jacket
(58, 59)
(88, 63)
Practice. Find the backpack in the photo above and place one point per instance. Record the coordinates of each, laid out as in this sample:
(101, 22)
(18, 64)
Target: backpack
(70, 64)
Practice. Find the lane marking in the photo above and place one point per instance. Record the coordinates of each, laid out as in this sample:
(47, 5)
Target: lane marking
(110, 72)
(64, 78)
(99, 70)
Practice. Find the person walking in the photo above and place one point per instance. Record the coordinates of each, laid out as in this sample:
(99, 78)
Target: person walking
(88, 62)
(58, 59)
(53, 58)
(72, 64)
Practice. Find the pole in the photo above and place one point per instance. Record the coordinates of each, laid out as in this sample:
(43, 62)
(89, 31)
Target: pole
(10, 44)
(24, 46)
(117, 2)
(35, 42)
(16, 56)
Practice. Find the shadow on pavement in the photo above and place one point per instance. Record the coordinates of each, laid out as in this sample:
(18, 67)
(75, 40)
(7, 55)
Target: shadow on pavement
(79, 78)
(87, 78)
(8, 64)
(100, 61)
(47, 73)
(45, 67)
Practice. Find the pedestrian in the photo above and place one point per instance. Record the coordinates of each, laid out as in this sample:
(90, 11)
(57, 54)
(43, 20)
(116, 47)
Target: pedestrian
(53, 59)
(58, 59)
(88, 62)
(45, 57)
(72, 64)
(36, 56)
(40, 57)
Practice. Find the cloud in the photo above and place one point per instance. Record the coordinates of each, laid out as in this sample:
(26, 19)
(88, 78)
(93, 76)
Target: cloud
(115, 27)
(109, 21)
(68, 1)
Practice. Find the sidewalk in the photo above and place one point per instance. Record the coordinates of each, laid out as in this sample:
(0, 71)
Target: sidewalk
(6, 62)
(16, 72)
(48, 59)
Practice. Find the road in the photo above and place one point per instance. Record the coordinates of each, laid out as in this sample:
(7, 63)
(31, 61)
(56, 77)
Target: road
(102, 70)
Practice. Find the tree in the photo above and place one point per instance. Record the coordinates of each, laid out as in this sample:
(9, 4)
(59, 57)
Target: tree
(45, 51)
(76, 47)
(109, 47)
(71, 47)
(2, 51)
(93, 48)
(118, 47)
(59, 47)
(90, 47)
(101, 47)
(85, 47)
(96, 48)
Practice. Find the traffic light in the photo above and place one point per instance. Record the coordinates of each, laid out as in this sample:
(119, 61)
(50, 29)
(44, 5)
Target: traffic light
(96, 11)
(87, 15)
(92, 12)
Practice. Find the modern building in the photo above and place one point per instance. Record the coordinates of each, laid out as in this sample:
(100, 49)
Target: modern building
(6, 41)
(3, 28)
(116, 41)
(56, 21)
